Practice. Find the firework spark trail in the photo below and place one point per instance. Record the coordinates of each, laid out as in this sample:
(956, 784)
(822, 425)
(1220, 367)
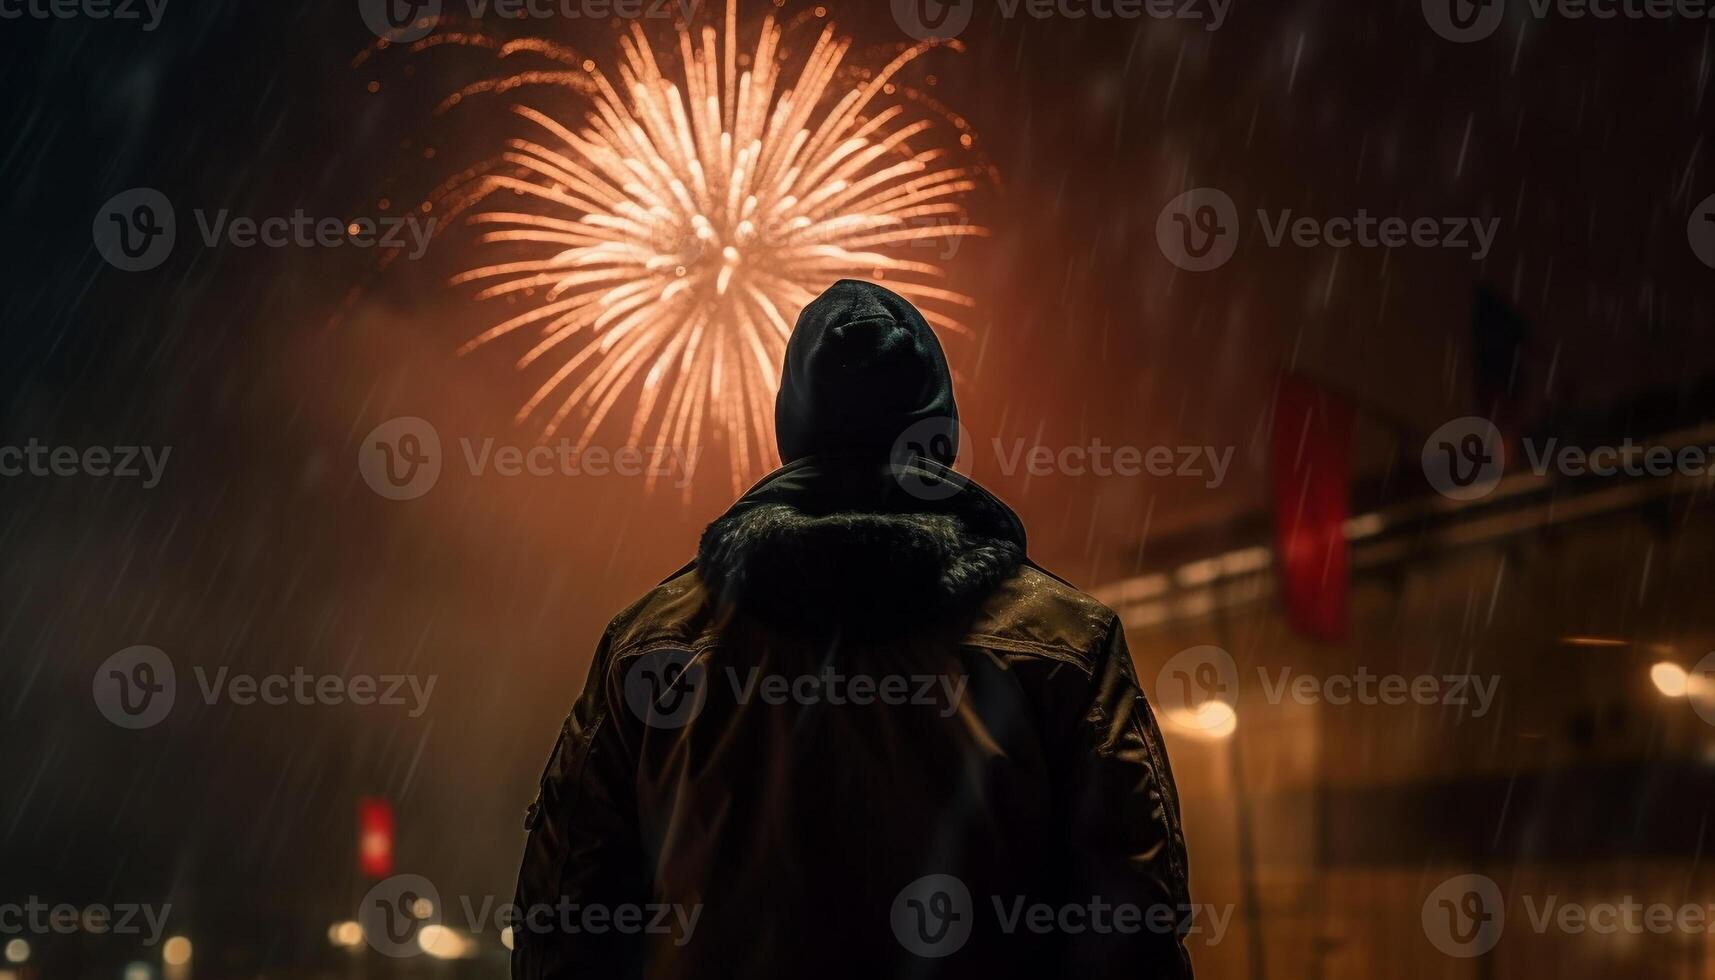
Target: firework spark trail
(690, 216)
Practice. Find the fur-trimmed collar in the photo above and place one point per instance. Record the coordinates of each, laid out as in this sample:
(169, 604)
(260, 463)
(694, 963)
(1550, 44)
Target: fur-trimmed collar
(797, 557)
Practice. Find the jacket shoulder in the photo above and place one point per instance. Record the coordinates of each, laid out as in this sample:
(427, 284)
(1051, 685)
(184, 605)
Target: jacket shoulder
(1034, 612)
(675, 612)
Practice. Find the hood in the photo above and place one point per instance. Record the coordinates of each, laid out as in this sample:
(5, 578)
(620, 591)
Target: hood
(855, 544)
(863, 371)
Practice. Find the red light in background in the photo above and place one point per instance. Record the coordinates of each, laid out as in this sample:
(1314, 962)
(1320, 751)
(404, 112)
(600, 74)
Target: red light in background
(1312, 470)
(374, 837)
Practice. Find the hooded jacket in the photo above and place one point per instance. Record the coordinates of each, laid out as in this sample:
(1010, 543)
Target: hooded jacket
(860, 736)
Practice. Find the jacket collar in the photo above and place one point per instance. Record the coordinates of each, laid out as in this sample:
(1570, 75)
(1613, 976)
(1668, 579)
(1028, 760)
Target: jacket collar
(848, 540)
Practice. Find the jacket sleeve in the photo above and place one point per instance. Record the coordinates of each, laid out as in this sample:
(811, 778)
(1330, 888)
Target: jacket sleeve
(1127, 847)
(583, 849)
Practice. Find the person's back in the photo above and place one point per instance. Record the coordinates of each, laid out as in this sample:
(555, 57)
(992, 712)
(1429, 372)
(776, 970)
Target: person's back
(862, 735)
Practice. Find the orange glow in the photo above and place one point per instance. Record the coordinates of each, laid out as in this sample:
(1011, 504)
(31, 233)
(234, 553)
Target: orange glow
(690, 215)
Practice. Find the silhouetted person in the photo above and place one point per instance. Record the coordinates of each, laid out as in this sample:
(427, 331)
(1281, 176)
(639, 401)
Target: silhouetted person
(861, 736)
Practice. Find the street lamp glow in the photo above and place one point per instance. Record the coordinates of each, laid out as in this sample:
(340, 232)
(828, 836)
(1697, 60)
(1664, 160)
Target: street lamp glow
(17, 951)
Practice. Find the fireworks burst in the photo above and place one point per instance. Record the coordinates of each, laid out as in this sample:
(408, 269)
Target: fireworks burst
(706, 197)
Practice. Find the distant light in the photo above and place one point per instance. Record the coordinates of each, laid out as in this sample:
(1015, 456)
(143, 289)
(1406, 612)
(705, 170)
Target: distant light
(138, 971)
(8, 975)
(1211, 721)
(17, 951)
(1670, 679)
(347, 934)
(176, 951)
(1594, 641)
(422, 908)
(1364, 526)
(506, 937)
(442, 943)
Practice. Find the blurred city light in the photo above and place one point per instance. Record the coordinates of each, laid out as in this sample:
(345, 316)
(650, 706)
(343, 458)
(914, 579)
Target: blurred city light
(1670, 679)
(176, 951)
(347, 934)
(443, 943)
(17, 951)
(1210, 721)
